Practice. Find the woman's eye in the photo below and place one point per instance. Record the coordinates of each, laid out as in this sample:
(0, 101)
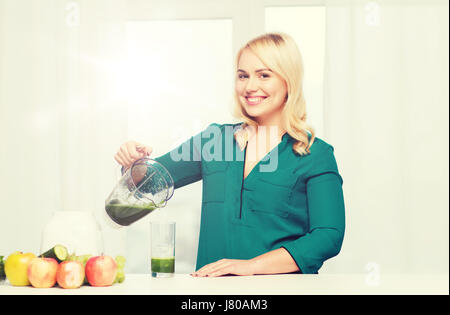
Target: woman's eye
(265, 75)
(242, 76)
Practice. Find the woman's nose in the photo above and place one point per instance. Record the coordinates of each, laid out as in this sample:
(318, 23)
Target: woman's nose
(252, 85)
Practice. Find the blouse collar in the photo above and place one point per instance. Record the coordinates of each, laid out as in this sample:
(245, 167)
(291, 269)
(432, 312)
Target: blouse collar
(242, 135)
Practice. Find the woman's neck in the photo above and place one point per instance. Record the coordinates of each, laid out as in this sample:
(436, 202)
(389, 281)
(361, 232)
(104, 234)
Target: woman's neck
(273, 126)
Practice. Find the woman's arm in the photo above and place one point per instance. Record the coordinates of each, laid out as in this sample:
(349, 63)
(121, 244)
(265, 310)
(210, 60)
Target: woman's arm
(275, 261)
(326, 224)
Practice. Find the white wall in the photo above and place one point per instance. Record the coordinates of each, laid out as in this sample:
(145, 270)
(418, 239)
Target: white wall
(306, 24)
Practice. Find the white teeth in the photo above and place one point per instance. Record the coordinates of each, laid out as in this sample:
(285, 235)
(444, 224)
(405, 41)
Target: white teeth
(255, 99)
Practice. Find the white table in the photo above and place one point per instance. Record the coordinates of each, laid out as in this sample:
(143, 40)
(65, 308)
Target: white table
(293, 284)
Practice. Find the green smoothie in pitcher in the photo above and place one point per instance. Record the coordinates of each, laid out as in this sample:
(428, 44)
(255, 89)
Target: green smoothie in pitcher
(124, 214)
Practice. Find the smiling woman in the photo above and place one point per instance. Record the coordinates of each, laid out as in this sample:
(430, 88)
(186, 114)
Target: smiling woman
(272, 65)
(256, 220)
(273, 89)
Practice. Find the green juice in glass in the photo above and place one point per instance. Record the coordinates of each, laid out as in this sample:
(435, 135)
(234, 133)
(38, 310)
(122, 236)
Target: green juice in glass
(163, 265)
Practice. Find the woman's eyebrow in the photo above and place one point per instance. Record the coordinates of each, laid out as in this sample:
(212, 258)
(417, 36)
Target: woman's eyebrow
(259, 70)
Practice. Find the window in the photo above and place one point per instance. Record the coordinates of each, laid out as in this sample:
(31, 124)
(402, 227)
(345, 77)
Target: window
(179, 78)
(307, 26)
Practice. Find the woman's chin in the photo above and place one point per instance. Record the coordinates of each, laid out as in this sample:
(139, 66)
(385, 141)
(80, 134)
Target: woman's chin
(260, 112)
(253, 111)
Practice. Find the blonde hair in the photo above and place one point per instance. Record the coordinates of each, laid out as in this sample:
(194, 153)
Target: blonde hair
(279, 52)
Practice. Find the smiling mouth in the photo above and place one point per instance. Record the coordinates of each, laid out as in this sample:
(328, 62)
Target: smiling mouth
(255, 100)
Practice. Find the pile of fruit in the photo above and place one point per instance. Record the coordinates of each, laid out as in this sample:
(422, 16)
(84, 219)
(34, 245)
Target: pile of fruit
(57, 266)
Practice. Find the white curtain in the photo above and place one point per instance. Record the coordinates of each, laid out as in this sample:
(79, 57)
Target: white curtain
(94, 108)
(67, 104)
(62, 115)
(386, 113)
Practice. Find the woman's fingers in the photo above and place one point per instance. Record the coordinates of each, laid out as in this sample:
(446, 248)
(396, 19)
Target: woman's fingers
(122, 159)
(210, 268)
(123, 152)
(146, 150)
(207, 268)
(119, 159)
(221, 272)
(222, 267)
(125, 157)
(131, 151)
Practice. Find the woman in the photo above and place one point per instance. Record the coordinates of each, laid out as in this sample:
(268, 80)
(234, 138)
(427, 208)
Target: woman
(272, 193)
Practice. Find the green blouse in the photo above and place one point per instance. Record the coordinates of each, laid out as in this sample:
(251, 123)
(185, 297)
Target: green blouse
(298, 205)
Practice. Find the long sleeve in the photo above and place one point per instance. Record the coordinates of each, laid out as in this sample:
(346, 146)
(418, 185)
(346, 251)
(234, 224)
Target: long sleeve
(326, 216)
(184, 162)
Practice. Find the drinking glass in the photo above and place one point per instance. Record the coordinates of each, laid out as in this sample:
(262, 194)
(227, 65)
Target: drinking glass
(162, 249)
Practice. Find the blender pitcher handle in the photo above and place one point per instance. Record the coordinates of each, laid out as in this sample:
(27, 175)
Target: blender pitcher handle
(163, 204)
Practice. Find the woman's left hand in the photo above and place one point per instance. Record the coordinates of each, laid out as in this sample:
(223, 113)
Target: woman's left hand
(226, 266)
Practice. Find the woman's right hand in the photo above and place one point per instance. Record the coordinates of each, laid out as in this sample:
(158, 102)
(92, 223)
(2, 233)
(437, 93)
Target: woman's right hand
(131, 151)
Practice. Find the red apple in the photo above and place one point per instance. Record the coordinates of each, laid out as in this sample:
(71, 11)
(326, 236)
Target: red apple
(70, 274)
(101, 271)
(42, 272)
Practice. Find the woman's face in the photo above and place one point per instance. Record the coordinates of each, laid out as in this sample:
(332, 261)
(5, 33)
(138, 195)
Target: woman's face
(261, 92)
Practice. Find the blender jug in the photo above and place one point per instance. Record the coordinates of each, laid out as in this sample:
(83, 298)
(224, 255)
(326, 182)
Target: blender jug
(145, 186)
